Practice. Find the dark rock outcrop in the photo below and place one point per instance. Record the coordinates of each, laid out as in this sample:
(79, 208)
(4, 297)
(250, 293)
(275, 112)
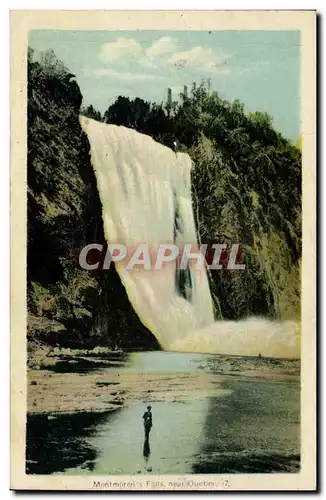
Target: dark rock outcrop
(67, 305)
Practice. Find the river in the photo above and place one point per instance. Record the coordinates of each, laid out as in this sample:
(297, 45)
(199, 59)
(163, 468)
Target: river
(250, 424)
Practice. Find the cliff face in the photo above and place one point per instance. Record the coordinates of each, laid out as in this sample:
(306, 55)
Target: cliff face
(253, 211)
(246, 183)
(68, 306)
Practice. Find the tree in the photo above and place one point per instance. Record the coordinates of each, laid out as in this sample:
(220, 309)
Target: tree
(130, 113)
(91, 112)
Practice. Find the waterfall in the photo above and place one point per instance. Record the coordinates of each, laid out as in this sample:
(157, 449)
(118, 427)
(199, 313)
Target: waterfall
(145, 190)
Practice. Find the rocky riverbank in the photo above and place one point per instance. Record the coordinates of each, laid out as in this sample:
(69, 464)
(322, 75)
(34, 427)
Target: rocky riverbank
(68, 381)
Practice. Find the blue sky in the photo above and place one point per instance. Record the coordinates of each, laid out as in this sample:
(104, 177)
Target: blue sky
(260, 68)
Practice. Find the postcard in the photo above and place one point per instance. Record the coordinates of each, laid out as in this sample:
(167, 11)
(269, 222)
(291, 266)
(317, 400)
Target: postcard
(163, 243)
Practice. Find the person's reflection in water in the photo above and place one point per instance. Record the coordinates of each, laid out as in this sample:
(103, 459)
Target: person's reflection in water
(146, 451)
(147, 418)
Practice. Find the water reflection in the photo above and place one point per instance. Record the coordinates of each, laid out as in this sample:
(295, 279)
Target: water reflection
(256, 429)
(250, 425)
(146, 451)
(54, 444)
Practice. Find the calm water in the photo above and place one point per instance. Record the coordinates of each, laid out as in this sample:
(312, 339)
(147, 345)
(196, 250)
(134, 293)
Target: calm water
(251, 425)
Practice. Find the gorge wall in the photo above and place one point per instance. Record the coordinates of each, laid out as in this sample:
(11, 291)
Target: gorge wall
(68, 306)
(246, 188)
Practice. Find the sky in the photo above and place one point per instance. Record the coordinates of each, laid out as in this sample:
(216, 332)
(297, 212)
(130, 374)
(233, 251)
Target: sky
(260, 68)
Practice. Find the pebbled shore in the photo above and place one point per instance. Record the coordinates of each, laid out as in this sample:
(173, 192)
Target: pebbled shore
(104, 390)
(68, 393)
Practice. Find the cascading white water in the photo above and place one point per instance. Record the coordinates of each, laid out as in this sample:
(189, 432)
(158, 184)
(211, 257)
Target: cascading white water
(145, 190)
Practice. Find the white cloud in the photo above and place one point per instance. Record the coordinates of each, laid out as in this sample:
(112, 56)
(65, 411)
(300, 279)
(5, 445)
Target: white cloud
(187, 56)
(122, 48)
(130, 48)
(123, 75)
(201, 56)
(161, 47)
(163, 54)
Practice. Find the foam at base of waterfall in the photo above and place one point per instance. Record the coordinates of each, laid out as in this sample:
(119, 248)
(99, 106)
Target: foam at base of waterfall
(249, 337)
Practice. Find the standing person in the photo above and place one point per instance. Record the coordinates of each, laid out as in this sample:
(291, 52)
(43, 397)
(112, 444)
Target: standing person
(147, 418)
